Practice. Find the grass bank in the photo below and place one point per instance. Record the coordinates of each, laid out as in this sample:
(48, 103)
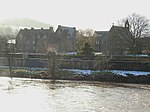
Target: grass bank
(104, 76)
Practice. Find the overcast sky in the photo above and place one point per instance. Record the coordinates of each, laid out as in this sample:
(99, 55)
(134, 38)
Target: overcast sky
(83, 14)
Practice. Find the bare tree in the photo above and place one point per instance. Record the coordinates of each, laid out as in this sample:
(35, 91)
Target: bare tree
(102, 62)
(88, 32)
(51, 57)
(52, 61)
(139, 27)
(81, 39)
(85, 36)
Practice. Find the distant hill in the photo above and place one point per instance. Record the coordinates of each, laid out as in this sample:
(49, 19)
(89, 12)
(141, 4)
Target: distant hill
(24, 22)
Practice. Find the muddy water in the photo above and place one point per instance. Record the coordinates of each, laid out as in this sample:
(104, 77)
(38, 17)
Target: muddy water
(27, 95)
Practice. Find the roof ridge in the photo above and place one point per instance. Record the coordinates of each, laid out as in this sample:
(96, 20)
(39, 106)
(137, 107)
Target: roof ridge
(67, 27)
(119, 26)
(101, 31)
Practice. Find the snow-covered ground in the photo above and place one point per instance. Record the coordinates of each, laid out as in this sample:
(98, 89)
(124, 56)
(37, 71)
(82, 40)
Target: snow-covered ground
(118, 72)
(88, 72)
(124, 73)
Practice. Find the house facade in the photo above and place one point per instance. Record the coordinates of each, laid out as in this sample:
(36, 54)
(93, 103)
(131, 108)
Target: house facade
(118, 40)
(39, 40)
(34, 40)
(99, 38)
(66, 38)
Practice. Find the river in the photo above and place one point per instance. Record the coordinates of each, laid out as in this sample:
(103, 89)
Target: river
(35, 95)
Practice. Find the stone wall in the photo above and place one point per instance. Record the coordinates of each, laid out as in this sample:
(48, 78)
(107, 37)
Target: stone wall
(116, 62)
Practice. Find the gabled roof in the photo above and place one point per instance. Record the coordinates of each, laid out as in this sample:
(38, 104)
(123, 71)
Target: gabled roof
(71, 30)
(121, 32)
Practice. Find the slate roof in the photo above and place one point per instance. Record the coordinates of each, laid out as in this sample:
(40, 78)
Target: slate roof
(101, 34)
(120, 35)
(34, 32)
(71, 30)
(122, 32)
(145, 42)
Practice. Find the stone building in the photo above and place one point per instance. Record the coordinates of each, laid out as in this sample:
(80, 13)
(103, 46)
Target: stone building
(66, 38)
(99, 38)
(39, 40)
(34, 40)
(118, 40)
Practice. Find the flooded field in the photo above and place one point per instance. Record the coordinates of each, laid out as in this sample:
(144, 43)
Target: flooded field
(30, 95)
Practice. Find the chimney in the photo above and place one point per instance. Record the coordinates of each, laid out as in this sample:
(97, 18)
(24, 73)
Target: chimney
(32, 28)
(41, 28)
(51, 28)
(25, 29)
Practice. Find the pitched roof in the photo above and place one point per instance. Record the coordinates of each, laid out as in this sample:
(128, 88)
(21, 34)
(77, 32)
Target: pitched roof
(101, 33)
(32, 31)
(71, 30)
(122, 32)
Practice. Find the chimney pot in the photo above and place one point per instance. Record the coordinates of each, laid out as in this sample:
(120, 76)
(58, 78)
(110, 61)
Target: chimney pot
(51, 28)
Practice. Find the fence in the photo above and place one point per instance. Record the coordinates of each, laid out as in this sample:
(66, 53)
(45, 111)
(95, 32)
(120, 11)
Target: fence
(117, 62)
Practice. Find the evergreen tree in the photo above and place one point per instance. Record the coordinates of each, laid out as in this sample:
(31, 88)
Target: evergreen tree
(86, 50)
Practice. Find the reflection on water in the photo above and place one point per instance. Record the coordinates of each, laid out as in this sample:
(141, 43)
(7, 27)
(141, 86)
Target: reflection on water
(27, 95)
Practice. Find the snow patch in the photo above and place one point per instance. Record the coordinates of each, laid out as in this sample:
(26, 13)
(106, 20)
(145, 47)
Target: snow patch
(118, 72)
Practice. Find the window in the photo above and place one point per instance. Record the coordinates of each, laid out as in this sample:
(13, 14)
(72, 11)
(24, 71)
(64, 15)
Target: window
(33, 41)
(97, 42)
(44, 36)
(33, 48)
